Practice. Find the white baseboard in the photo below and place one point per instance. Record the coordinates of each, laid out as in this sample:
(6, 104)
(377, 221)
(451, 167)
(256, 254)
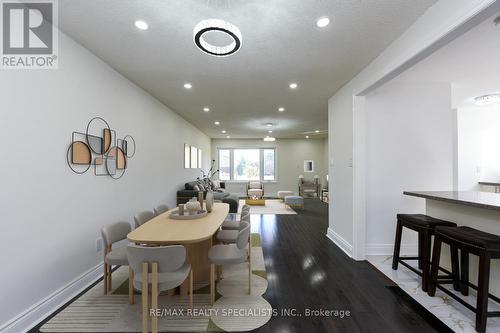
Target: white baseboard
(36, 313)
(388, 249)
(339, 241)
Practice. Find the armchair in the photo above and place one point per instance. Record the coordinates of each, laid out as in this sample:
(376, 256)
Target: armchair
(255, 188)
(309, 188)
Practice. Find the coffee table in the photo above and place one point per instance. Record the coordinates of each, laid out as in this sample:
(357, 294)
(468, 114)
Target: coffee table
(255, 202)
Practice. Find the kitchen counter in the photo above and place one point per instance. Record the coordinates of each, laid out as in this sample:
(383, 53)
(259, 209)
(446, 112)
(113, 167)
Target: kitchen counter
(479, 210)
(476, 199)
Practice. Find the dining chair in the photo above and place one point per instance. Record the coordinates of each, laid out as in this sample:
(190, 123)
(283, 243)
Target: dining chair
(160, 209)
(231, 254)
(143, 217)
(111, 234)
(228, 236)
(235, 224)
(158, 269)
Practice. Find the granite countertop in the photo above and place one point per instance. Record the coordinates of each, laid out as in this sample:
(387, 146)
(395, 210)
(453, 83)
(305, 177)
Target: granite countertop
(477, 199)
(489, 183)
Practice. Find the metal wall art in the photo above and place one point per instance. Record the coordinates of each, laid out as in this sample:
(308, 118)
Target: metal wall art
(99, 147)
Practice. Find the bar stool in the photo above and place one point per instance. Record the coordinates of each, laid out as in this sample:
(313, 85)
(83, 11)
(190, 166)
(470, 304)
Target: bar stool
(424, 225)
(482, 244)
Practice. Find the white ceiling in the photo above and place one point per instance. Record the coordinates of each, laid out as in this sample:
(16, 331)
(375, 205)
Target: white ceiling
(471, 63)
(281, 44)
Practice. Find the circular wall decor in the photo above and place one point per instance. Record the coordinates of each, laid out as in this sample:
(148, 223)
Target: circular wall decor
(217, 25)
(69, 160)
(128, 144)
(98, 142)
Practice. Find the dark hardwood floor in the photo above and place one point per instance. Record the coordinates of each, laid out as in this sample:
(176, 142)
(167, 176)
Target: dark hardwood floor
(307, 271)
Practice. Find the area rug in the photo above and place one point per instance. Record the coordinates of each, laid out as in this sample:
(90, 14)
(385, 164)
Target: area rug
(273, 206)
(95, 312)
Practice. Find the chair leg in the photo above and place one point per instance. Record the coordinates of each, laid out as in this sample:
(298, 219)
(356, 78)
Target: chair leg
(154, 297)
(482, 293)
(425, 257)
(421, 243)
(250, 266)
(105, 278)
(191, 289)
(436, 255)
(464, 272)
(455, 268)
(397, 245)
(212, 284)
(145, 297)
(131, 299)
(109, 278)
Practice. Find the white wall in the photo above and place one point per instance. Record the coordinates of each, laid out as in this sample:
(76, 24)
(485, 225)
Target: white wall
(438, 25)
(478, 145)
(51, 217)
(290, 154)
(409, 146)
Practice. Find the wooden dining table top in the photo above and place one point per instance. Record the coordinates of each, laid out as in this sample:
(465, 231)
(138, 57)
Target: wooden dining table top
(162, 230)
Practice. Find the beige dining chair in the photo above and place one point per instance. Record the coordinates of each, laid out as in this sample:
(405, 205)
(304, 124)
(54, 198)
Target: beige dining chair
(160, 209)
(143, 217)
(231, 224)
(229, 236)
(231, 254)
(158, 269)
(111, 234)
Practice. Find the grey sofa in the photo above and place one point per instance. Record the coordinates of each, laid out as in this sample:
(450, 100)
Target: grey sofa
(221, 194)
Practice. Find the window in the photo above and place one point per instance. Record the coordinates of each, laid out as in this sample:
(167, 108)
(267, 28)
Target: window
(247, 164)
(224, 164)
(269, 165)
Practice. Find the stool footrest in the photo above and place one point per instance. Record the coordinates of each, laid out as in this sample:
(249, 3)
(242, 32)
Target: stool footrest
(464, 303)
(493, 297)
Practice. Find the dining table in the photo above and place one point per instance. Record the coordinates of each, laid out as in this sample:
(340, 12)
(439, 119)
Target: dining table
(196, 235)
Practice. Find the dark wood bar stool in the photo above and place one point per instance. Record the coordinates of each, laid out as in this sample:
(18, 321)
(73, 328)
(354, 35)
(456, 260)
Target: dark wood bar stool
(482, 244)
(424, 225)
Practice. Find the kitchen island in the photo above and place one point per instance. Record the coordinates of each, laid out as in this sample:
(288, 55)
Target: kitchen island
(479, 210)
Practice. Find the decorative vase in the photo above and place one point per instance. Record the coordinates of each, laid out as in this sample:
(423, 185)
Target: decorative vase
(209, 200)
(192, 206)
(200, 198)
(181, 209)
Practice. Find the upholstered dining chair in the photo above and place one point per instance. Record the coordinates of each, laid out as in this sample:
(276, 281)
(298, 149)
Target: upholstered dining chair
(235, 224)
(160, 209)
(229, 236)
(111, 234)
(231, 254)
(158, 268)
(255, 188)
(143, 217)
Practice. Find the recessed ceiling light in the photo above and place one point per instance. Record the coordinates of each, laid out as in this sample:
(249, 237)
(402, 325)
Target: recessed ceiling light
(323, 22)
(227, 136)
(217, 122)
(281, 109)
(487, 99)
(268, 138)
(269, 131)
(188, 85)
(293, 85)
(141, 25)
(316, 131)
(269, 125)
(223, 132)
(307, 136)
(206, 109)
